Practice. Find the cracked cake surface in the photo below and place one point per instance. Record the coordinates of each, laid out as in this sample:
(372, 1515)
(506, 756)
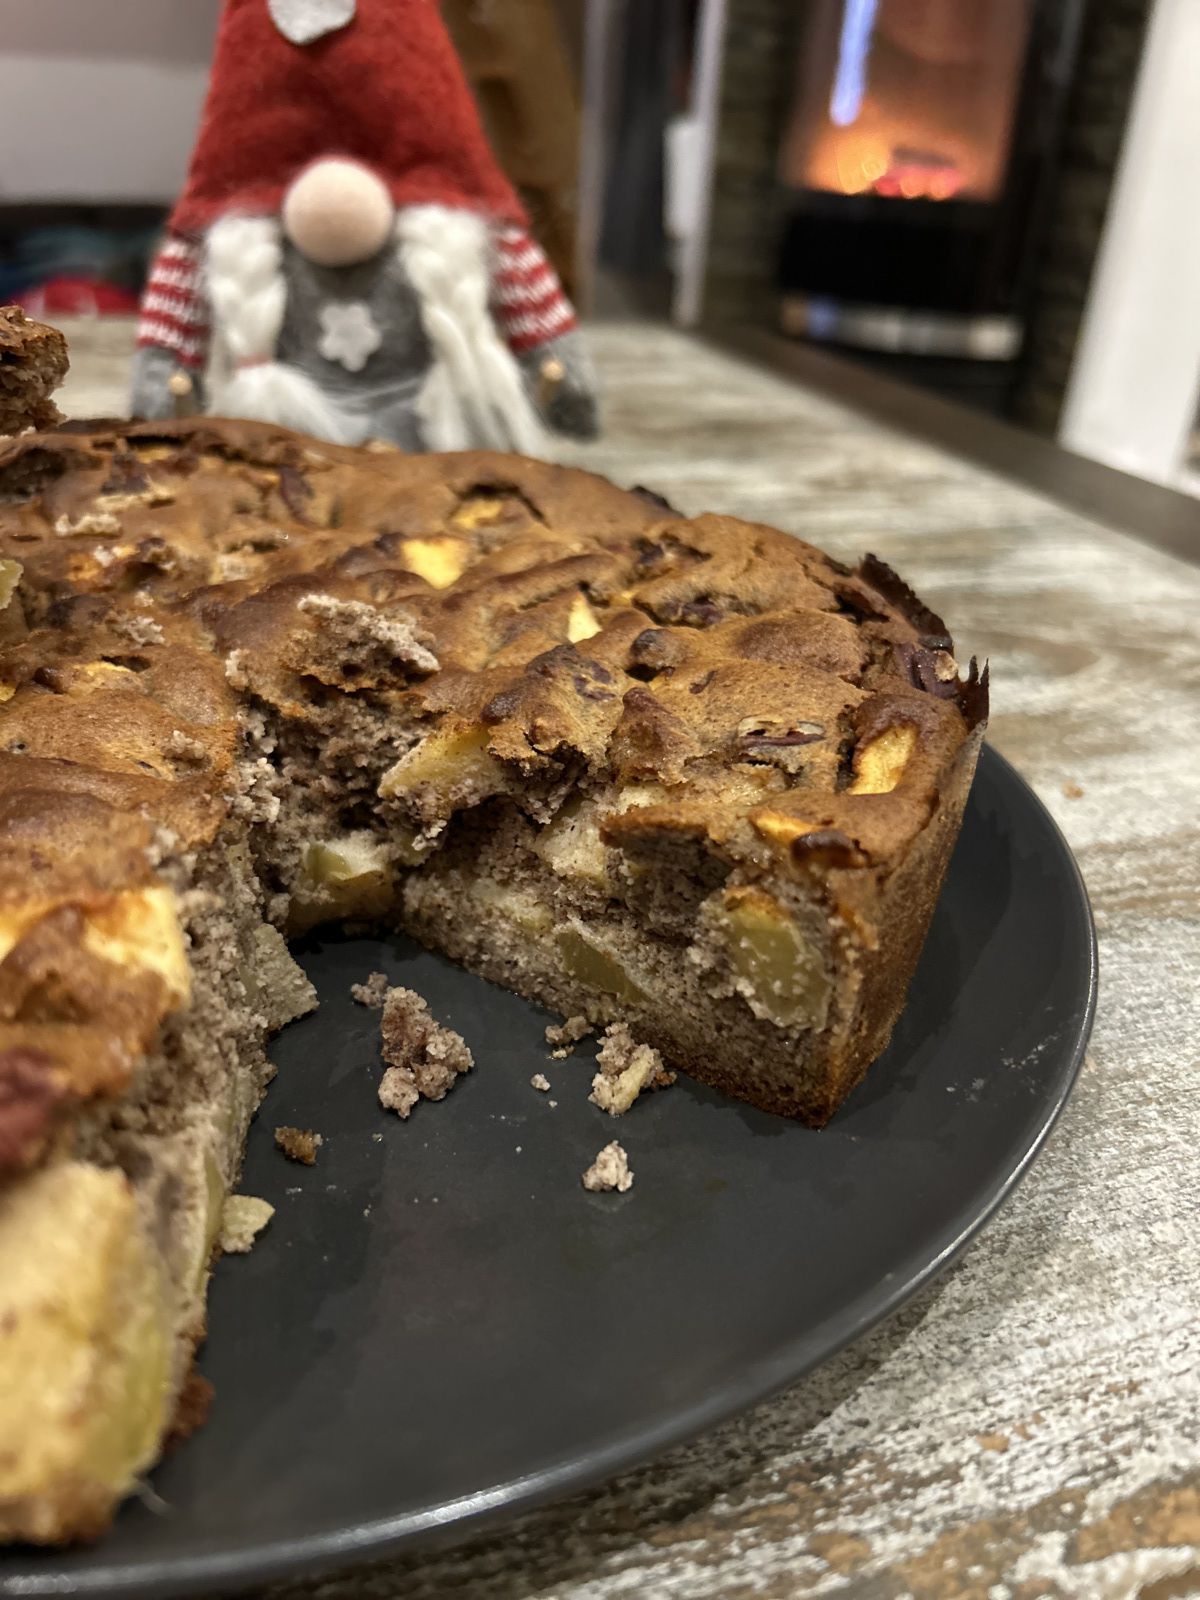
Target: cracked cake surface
(691, 776)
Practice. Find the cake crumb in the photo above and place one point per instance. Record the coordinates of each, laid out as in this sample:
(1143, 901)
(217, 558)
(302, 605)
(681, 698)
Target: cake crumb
(398, 1092)
(243, 1218)
(540, 1081)
(101, 523)
(626, 1068)
(373, 992)
(299, 1144)
(235, 669)
(423, 1058)
(610, 1170)
(564, 1035)
(138, 630)
(1073, 790)
(182, 747)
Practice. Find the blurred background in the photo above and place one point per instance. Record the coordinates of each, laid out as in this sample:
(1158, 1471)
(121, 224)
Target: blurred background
(996, 200)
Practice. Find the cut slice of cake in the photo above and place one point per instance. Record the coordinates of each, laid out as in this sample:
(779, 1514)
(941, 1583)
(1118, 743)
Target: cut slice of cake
(686, 775)
(33, 362)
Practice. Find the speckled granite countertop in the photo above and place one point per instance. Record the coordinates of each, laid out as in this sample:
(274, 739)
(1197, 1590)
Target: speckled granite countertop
(1029, 1426)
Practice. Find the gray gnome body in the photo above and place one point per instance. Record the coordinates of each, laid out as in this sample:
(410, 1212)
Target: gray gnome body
(366, 316)
(357, 333)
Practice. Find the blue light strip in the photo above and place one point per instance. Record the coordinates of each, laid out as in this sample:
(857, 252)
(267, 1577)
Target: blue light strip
(854, 47)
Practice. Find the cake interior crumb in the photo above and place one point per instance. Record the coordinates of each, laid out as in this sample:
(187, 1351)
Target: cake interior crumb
(563, 1036)
(373, 992)
(626, 1068)
(610, 1170)
(299, 1144)
(422, 1057)
(540, 1081)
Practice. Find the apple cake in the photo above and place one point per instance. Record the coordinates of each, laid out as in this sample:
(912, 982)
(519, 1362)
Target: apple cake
(689, 775)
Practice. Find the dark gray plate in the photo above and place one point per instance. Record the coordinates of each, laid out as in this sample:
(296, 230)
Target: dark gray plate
(441, 1324)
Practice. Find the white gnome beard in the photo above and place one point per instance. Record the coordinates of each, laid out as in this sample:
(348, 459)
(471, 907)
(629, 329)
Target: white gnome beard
(246, 287)
(303, 21)
(473, 396)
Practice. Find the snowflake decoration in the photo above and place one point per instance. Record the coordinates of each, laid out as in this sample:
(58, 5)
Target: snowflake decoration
(349, 334)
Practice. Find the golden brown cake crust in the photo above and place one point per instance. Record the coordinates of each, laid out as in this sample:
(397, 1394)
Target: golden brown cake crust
(784, 711)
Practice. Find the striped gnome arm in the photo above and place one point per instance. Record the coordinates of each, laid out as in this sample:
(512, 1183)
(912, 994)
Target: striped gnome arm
(537, 322)
(173, 333)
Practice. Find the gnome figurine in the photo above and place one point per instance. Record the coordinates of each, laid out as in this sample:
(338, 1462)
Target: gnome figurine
(347, 258)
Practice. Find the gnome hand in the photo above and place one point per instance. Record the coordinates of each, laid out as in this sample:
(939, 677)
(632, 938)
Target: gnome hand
(163, 387)
(562, 383)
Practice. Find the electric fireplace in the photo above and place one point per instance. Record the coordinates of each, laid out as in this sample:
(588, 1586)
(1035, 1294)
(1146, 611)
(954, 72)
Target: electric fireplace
(917, 166)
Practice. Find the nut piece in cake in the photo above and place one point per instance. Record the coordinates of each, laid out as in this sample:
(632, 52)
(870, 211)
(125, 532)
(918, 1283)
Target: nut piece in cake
(423, 1057)
(299, 1144)
(610, 1170)
(243, 1219)
(30, 1093)
(626, 1068)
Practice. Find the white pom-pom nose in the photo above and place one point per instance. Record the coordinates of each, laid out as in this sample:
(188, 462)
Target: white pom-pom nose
(337, 213)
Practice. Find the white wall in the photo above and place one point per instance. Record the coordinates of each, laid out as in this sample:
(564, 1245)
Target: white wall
(99, 98)
(1134, 379)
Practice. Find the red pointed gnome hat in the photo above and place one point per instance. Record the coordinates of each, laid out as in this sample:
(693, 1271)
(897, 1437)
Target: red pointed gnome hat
(387, 89)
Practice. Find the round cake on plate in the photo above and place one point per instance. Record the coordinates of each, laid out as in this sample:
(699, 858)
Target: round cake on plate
(689, 774)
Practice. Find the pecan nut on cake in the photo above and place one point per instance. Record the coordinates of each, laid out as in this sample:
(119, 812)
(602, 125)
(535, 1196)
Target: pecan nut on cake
(688, 774)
